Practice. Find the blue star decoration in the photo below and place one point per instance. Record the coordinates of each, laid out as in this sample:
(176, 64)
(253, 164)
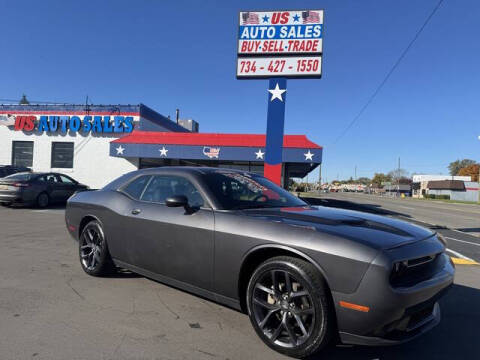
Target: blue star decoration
(296, 18)
(265, 19)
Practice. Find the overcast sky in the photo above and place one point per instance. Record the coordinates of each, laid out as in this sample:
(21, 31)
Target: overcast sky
(169, 54)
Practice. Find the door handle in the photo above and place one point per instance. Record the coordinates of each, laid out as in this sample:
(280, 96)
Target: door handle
(136, 211)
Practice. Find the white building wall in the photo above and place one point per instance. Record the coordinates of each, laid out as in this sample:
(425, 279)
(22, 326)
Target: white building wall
(92, 164)
(427, 178)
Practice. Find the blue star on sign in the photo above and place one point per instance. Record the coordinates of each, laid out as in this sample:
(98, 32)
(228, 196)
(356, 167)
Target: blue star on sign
(265, 19)
(296, 18)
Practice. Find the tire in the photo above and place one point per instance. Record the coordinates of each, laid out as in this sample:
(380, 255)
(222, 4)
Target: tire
(291, 314)
(43, 200)
(93, 251)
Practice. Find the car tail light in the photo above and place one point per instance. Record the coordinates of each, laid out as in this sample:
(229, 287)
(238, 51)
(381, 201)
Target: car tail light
(21, 185)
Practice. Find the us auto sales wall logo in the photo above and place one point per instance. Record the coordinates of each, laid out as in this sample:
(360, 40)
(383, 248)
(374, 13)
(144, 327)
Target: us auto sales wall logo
(211, 152)
(85, 124)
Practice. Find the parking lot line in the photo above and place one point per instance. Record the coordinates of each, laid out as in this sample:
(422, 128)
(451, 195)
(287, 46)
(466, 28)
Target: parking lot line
(460, 259)
(462, 241)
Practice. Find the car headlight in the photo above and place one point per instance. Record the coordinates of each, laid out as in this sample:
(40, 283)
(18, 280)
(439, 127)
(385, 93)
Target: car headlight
(442, 239)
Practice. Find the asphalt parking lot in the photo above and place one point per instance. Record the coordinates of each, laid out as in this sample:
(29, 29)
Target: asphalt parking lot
(50, 309)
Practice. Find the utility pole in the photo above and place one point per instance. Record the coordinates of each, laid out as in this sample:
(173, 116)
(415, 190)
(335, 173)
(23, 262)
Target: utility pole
(355, 178)
(319, 177)
(398, 178)
(478, 178)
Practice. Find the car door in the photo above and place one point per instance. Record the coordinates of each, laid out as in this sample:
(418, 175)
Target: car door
(51, 185)
(171, 241)
(68, 186)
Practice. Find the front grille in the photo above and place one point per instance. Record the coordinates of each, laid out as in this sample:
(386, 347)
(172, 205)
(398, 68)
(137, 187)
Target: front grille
(410, 272)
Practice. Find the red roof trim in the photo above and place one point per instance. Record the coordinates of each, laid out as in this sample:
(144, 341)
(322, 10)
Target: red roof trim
(247, 140)
(50, 112)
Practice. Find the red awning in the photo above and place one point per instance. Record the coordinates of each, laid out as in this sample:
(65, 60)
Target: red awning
(247, 140)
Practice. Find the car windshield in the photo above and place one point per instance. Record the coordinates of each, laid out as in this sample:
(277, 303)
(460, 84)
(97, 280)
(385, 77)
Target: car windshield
(20, 176)
(248, 191)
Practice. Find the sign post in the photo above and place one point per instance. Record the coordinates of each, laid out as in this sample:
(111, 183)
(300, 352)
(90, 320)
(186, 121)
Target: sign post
(277, 45)
(275, 124)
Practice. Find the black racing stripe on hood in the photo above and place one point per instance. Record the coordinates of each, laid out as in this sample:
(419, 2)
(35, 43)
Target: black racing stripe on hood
(351, 221)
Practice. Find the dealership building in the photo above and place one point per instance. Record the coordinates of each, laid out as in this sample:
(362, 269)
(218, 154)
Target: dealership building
(94, 144)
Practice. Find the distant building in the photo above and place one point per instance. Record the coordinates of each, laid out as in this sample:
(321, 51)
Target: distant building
(420, 182)
(420, 178)
(454, 190)
(398, 189)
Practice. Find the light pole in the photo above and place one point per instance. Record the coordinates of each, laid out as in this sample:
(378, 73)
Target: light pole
(478, 178)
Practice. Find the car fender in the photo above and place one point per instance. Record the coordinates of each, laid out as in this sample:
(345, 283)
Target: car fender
(285, 248)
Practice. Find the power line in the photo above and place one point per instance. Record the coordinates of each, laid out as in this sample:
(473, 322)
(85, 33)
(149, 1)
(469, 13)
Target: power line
(399, 60)
(35, 102)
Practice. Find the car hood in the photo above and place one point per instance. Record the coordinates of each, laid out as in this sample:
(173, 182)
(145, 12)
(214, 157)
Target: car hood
(377, 231)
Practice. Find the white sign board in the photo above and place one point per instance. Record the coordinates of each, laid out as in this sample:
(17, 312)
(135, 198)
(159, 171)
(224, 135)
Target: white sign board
(291, 66)
(271, 34)
(280, 32)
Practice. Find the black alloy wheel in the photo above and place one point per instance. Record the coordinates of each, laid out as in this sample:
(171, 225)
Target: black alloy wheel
(43, 200)
(94, 256)
(288, 306)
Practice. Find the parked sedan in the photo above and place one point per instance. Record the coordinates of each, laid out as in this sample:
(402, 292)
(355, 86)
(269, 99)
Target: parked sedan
(39, 189)
(6, 170)
(304, 275)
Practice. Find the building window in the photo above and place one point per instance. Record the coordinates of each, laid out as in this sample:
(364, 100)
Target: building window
(62, 155)
(22, 153)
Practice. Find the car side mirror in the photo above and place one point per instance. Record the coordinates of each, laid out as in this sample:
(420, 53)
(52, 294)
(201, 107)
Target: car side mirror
(177, 201)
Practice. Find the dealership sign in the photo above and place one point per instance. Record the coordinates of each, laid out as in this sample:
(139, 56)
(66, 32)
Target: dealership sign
(280, 44)
(84, 124)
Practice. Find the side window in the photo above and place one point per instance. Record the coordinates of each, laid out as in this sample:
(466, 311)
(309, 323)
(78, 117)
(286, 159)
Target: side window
(66, 180)
(51, 178)
(135, 187)
(164, 186)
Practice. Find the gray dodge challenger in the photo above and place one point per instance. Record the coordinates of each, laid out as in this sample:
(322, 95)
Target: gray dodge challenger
(305, 275)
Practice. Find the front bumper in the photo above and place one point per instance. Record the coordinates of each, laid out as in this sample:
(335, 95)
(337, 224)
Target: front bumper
(396, 314)
(404, 331)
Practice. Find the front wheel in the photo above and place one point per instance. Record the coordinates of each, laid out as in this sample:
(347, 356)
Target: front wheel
(93, 250)
(289, 308)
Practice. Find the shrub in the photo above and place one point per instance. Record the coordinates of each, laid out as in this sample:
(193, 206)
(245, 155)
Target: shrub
(434, 196)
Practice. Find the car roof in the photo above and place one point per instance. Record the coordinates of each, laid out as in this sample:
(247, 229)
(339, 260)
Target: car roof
(191, 169)
(13, 167)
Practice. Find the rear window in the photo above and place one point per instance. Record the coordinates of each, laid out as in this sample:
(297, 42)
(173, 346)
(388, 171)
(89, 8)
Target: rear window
(21, 177)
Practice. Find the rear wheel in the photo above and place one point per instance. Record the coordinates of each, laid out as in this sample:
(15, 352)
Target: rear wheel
(289, 308)
(93, 250)
(43, 200)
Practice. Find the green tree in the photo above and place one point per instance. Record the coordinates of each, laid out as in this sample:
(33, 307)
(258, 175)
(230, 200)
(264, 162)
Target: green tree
(364, 180)
(455, 166)
(380, 178)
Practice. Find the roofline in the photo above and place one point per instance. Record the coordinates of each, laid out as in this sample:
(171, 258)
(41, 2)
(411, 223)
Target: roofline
(212, 139)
